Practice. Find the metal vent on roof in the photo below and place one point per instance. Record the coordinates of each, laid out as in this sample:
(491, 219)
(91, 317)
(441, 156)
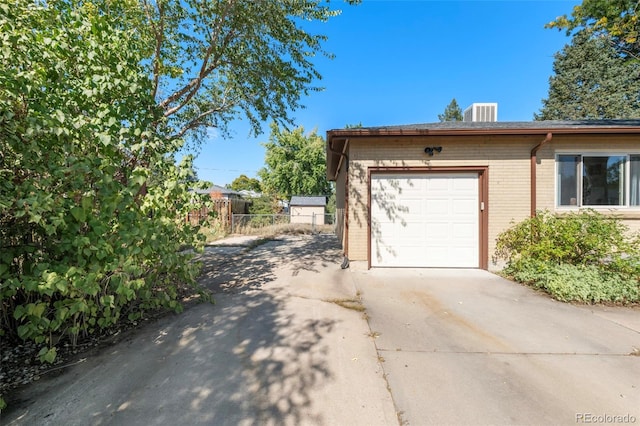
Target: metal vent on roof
(481, 112)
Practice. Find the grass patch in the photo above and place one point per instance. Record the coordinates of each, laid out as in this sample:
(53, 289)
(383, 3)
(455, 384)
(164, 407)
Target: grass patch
(213, 231)
(284, 228)
(353, 304)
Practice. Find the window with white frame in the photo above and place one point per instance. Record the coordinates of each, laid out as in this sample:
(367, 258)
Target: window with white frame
(598, 180)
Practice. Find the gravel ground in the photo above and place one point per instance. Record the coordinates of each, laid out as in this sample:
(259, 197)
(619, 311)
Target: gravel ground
(20, 366)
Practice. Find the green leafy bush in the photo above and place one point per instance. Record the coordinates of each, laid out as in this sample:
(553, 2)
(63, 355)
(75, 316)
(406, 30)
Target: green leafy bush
(584, 256)
(576, 283)
(92, 205)
(585, 238)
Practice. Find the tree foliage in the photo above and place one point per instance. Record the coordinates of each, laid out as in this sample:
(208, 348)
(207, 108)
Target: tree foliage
(265, 204)
(591, 81)
(245, 183)
(618, 19)
(452, 112)
(295, 164)
(212, 61)
(91, 202)
(96, 98)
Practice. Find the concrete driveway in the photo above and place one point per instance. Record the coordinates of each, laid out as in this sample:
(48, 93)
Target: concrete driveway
(285, 344)
(468, 347)
(288, 344)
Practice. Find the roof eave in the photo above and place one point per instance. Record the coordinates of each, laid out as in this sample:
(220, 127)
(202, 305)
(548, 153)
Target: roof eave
(354, 133)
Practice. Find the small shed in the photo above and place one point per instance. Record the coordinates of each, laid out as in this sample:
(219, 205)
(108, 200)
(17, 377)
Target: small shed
(304, 209)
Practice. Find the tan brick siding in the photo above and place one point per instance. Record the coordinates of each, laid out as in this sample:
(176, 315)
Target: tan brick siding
(340, 205)
(507, 159)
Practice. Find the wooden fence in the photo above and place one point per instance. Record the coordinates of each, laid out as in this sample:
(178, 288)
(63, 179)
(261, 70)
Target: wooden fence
(223, 210)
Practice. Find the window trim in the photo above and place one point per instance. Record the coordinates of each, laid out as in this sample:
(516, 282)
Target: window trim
(594, 153)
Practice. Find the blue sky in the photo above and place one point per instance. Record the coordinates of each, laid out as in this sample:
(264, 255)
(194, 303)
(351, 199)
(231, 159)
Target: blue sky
(401, 62)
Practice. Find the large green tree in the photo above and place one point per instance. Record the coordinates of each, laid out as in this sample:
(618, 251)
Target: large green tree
(295, 164)
(212, 61)
(591, 81)
(92, 205)
(452, 112)
(96, 98)
(245, 183)
(616, 18)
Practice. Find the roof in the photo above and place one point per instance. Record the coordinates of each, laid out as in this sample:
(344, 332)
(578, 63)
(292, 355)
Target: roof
(298, 200)
(215, 188)
(336, 139)
(495, 127)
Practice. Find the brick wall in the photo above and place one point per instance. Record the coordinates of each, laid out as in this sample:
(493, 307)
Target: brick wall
(340, 204)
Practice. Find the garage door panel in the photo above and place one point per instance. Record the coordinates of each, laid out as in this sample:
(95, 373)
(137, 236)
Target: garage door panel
(411, 254)
(436, 207)
(439, 258)
(412, 234)
(464, 231)
(410, 188)
(462, 253)
(411, 209)
(437, 185)
(389, 229)
(425, 220)
(468, 185)
(464, 207)
(435, 231)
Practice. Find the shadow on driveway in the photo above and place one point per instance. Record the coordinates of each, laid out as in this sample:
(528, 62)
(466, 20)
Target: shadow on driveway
(260, 356)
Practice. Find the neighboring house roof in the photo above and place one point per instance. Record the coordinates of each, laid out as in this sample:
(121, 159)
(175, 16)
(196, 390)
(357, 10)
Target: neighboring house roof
(250, 194)
(298, 200)
(219, 189)
(337, 138)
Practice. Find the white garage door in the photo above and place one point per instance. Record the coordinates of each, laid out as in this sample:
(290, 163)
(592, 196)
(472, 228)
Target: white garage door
(425, 220)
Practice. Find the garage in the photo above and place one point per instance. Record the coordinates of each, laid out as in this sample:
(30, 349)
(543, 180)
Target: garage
(425, 220)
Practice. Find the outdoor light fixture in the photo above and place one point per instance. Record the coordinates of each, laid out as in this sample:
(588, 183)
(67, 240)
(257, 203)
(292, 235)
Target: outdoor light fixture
(432, 150)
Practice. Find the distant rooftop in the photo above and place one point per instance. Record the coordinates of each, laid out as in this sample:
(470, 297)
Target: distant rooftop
(298, 200)
(215, 188)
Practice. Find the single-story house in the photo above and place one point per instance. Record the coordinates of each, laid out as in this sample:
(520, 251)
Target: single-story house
(220, 192)
(438, 195)
(303, 209)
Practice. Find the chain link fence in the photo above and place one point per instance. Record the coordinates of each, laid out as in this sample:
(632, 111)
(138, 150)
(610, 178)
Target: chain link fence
(274, 223)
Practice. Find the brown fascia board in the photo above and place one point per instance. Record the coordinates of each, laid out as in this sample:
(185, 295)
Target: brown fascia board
(354, 133)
